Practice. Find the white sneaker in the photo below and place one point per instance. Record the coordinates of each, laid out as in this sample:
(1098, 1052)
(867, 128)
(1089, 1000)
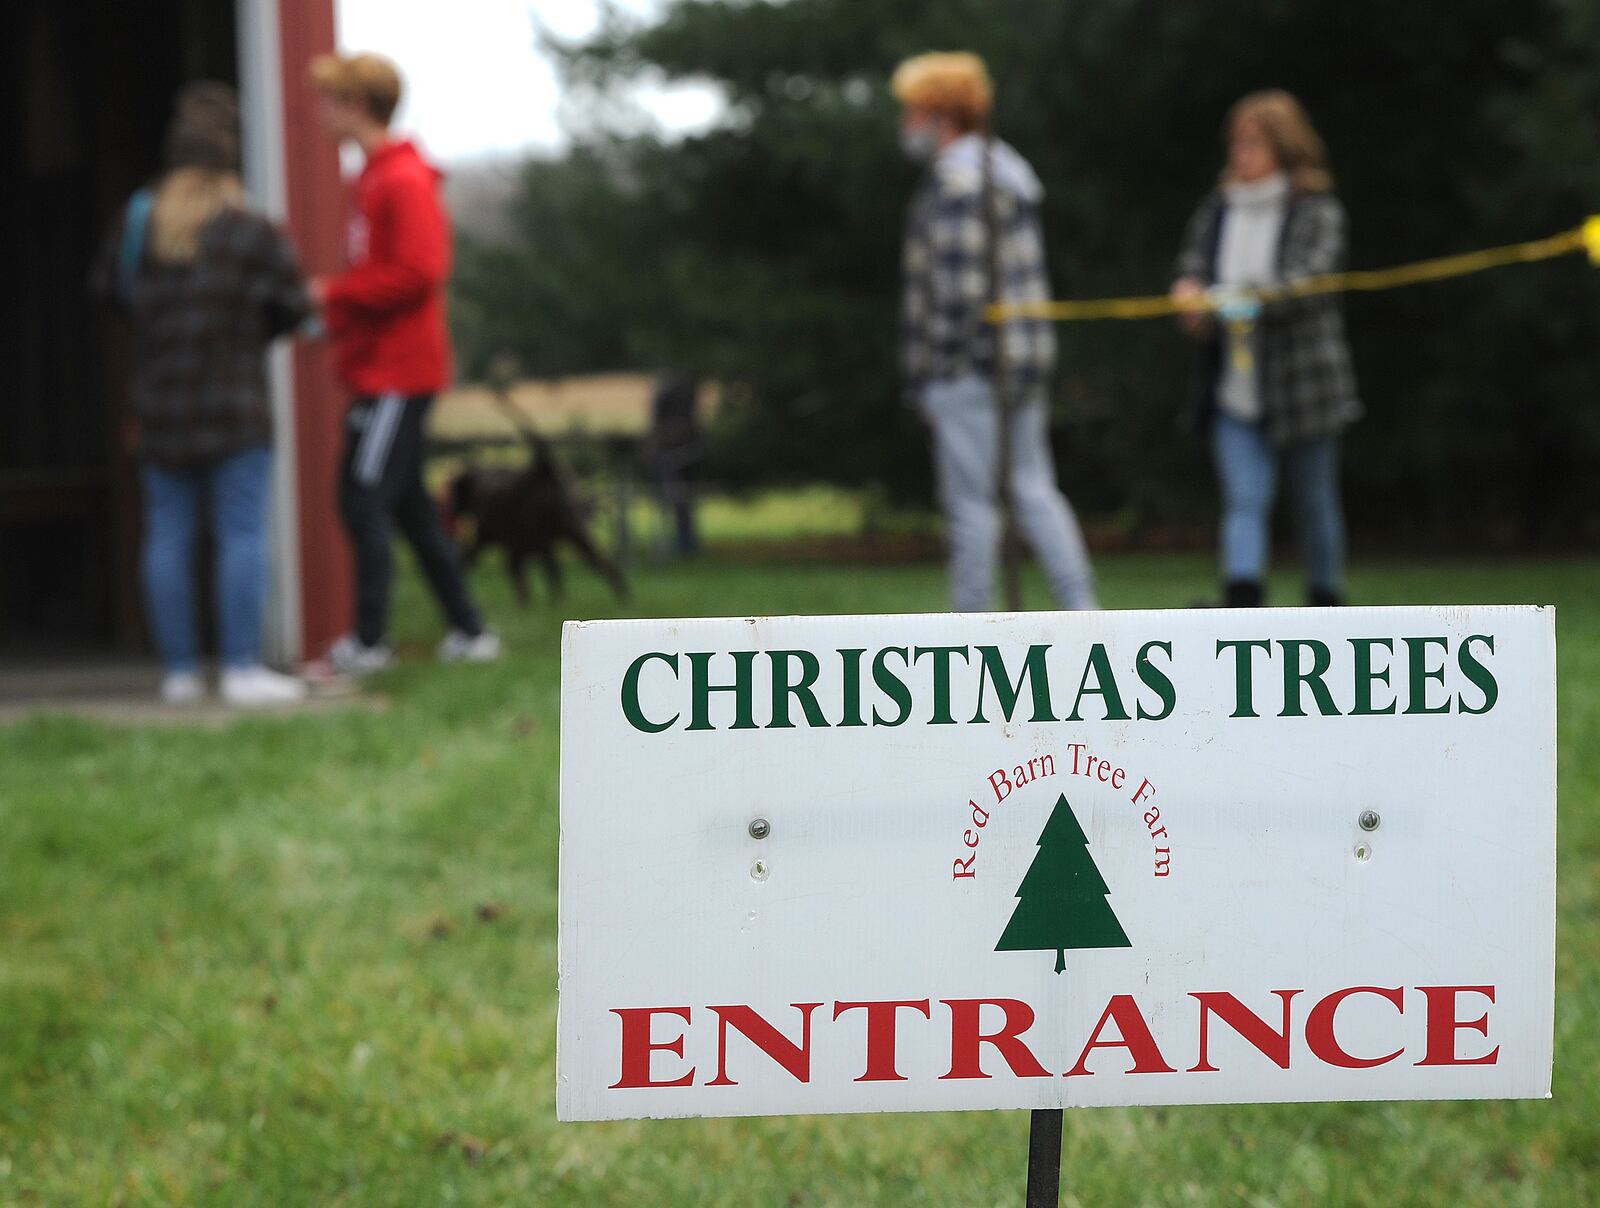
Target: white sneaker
(251, 687)
(350, 656)
(459, 647)
(182, 688)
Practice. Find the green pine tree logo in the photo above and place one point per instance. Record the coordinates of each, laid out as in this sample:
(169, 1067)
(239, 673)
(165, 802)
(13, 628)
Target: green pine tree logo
(1061, 902)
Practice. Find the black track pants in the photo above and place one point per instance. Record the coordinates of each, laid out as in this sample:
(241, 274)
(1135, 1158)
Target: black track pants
(381, 484)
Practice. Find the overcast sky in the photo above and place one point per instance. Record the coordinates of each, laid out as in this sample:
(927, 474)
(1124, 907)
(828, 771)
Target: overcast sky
(477, 83)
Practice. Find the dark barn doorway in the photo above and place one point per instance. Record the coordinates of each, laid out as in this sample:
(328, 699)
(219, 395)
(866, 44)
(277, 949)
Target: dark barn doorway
(85, 91)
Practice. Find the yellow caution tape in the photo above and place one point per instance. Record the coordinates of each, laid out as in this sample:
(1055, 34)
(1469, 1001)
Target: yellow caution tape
(1585, 238)
(1591, 238)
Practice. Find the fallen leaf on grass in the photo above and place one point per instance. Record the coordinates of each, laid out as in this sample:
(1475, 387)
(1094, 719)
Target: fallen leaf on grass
(472, 1148)
(488, 912)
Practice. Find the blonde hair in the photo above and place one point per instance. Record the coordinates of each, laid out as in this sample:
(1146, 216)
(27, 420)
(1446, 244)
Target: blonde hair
(186, 200)
(369, 80)
(954, 83)
(1294, 139)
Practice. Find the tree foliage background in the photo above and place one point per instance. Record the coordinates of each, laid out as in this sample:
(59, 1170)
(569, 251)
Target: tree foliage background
(764, 252)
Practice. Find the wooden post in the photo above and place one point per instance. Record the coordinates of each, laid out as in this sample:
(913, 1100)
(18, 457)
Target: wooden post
(314, 197)
(624, 472)
(1011, 570)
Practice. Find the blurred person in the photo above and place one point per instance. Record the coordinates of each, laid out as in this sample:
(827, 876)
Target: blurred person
(1276, 387)
(948, 349)
(206, 284)
(675, 450)
(385, 315)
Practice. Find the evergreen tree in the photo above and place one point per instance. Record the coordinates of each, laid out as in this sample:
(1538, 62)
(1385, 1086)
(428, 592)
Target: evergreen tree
(1062, 899)
(763, 253)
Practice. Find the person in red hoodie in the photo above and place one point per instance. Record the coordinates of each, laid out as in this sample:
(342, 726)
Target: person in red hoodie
(385, 316)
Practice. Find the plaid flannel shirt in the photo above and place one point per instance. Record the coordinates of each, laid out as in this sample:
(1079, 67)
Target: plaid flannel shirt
(1308, 385)
(946, 281)
(199, 388)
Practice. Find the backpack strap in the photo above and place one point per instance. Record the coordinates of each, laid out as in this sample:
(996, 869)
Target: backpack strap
(135, 223)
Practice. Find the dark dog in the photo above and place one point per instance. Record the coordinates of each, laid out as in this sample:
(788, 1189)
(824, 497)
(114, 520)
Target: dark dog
(527, 513)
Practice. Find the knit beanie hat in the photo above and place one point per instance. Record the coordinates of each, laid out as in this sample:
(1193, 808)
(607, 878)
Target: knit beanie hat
(205, 128)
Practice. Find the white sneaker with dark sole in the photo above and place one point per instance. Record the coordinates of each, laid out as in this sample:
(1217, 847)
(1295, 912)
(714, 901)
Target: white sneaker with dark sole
(351, 656)
(459, 647)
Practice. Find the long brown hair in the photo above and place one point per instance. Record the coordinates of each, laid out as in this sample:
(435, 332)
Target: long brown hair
(1294, 139)
(186, 200)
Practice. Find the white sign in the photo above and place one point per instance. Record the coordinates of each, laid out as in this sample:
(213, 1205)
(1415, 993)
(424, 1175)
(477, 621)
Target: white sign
(923, 863)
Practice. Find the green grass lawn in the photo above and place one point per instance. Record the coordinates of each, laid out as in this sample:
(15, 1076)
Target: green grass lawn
(247, 966)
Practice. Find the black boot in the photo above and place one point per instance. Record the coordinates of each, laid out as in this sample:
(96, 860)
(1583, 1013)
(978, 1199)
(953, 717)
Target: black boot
(1323, 597)
(1243, 593)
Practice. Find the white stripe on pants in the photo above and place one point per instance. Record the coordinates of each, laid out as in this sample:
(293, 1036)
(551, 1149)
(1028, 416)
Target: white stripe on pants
(966, 437)
(378, 438)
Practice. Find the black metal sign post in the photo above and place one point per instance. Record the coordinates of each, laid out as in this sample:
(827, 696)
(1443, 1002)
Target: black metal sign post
(1044, 1127)
(1044, 1158)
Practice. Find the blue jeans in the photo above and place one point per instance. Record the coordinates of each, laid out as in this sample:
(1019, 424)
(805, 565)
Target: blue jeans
(1248, 465)
(233, 492)
(966, 446)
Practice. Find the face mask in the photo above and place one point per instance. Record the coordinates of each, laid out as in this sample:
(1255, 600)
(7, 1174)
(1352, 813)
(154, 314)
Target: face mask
(920, 143)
